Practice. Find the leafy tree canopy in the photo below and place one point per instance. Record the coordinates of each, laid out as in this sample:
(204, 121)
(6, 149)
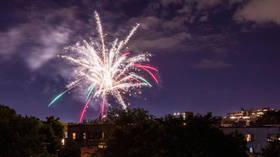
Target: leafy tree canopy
(272, 150)
(137, 133)
(28, 136)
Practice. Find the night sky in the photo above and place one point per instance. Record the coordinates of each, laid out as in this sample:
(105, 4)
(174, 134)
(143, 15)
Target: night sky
(213, 55)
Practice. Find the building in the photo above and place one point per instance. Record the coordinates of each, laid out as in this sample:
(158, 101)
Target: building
(244, 118)
(256, 136)
(88, 136)
(184, 115)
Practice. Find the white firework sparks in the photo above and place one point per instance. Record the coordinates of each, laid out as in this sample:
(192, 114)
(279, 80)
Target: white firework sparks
(107, 71)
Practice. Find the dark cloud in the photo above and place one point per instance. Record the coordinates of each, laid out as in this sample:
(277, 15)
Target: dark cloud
(205, 4)
(259, 11)
(212, 64)
(50, 25)
(166, 3)
(40, 37)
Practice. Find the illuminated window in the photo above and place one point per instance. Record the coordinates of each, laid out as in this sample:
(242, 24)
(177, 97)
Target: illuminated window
(103, 134)
(63, 141)
(248, 137)
(74, 136)
(184, 116)
(102, 145)
(84, 135)
(251, 150)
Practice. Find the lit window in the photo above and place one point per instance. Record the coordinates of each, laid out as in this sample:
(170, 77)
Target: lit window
(184, 116)
(251, 150)
(66, 134)
(248, 137)
(74, 136)
(84, 135)
(103, 134)
(102, 145)
(63, 141)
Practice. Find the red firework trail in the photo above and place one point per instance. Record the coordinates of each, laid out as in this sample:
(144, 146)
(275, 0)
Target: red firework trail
(102, 108)
(126, 54)
(84, 109)
(153, 76)
(146, 66)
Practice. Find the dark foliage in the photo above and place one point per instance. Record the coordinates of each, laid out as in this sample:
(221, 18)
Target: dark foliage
(28, 136)
(54, 132)
(272, 150)
(136, 133)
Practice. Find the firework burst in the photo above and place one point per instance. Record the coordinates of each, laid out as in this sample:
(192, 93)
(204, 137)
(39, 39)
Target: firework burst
(106, 71)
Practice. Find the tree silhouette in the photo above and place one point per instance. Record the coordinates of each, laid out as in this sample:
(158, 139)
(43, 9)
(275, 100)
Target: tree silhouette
(137, 133)
(28, 136)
